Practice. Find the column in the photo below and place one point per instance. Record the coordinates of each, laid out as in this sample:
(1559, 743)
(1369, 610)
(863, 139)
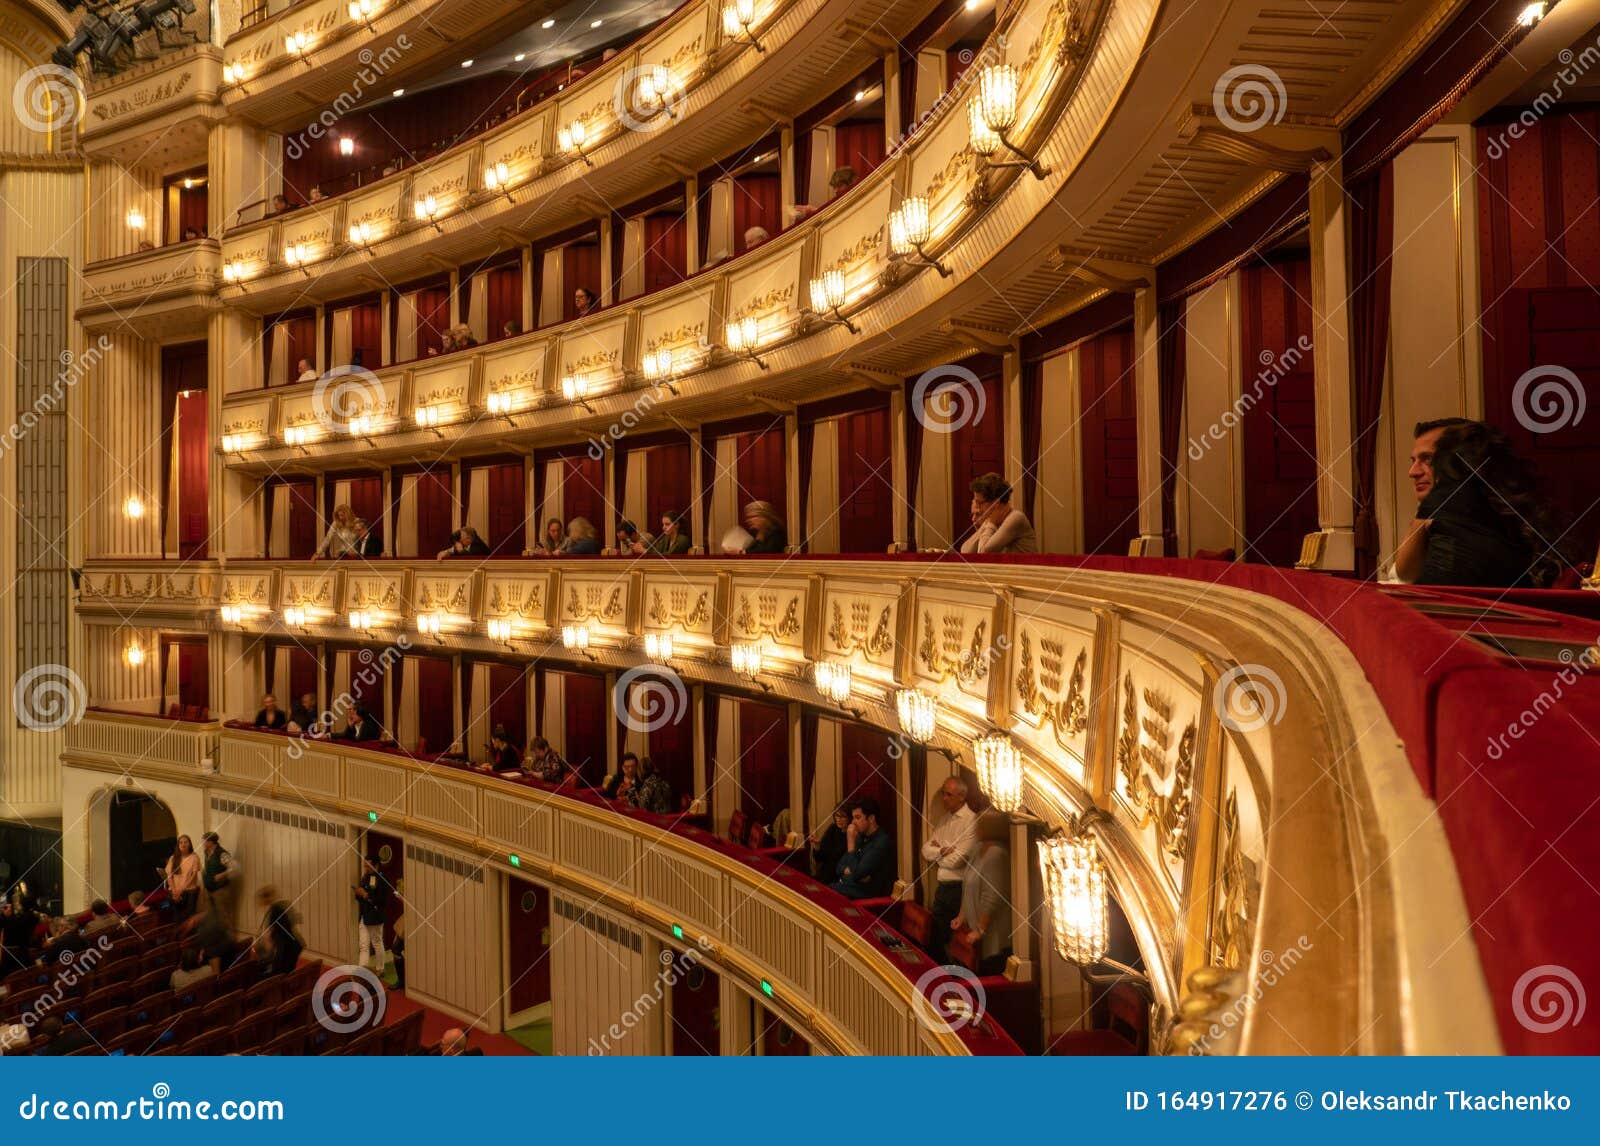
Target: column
(1330, 316)
(1020, 967)
(607, 286)
(785, 176)
(697, 488)
(795, 496)
(899, 449)
(1147, 419)
(797, 785)
(1011, 408)
(692, 221)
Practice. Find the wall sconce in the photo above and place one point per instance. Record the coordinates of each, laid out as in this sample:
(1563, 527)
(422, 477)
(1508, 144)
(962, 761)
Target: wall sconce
(575, 638)
(499, 629)
(297, 436)
(658, 647)
(827, 299)
(742, 335)
(498, 178)
(657, 89)
(833, 680)
(135, 219)
(294, 617)
(297, 255)
(504, 403)
(234, 74)
(362, 426)
(231, 615)
(575, 388)
(745, 657)
(133, 654)
(299, 45)
(361, 620)
(737, 19)
(909, 230)
(1075, 893)
(233, 272)
(918, 712)
(999, 771)
(991, 113)
(430, 625)
(1532, 14)
(361, 235)
(658, 366)
(573, 138)
(133, 508)
(347, 146)
(362, 11)
(427, 210)
(429, 417)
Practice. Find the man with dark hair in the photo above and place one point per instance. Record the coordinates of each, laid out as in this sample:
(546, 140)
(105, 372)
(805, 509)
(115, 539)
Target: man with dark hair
(1426, 435)
(466, 543)
(362, 727)
(218, 875)
(622, 781)
(866, 871)
(996, 527)
(372, 898)
(101, 918)
(368, 544)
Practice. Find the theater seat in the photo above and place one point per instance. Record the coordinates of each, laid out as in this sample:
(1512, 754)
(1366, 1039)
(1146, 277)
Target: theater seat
(1012, 1005)
(1122, 1026)
(1215, 554)
(738, 827)
(913, 921)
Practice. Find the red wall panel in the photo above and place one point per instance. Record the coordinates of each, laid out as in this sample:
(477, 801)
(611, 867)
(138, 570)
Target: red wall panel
(763, 761)
(1110, 477)
(866, 482)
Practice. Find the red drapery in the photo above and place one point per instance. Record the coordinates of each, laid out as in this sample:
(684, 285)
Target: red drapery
(365, 498)
(666, 479)
(433, 319)
(193, 660)
(671, 752)
(1279, 431)
(866, 482)
(1371, 245)
(436, 511)
(192, 210)
(302, 674)
(300, 340)
(763, 760)
(1174, 368)
(508, 702)
(757, 202)
(505, 517)
(977, 443)
(367, 676)
(366, 335)
(587, 710)
(194, 475)
(504, 293)
(712, 711)
(666, 250)
(1032, 431)
(303, 535)
(580, 267)
(858, 144)
(436, 700)
(583, 490)
(760, 468)
(1110, 478)
(868, 769)
(913, 456)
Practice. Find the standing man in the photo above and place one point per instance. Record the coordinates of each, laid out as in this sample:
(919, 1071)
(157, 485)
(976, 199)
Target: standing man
(219, 875)
(949, 848)
(372, 897)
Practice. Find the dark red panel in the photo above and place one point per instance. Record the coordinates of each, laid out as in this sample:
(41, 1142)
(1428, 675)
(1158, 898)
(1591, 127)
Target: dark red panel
(1109, 427)
(858, 144)
(436, 511)
(666, 250)
(508, 702)
(504, 300)
(757, 202)
(977, 444)
(866, 483)
(583, 492)
(666, 484)
(580, 267)
(192, 657)
(586, 712)
(528, 939)
(763, 760)
(696, 1007)
(436, 700)
(761, 468)
(507, 512)
(303, 522)
(868, 769)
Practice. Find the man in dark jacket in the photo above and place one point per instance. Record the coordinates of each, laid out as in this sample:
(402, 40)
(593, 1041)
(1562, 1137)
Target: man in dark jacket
(368, 544)
(361, 727)
(866, 870)
(372, 900)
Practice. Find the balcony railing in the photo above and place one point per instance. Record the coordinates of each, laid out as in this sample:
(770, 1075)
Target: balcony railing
(153, 742)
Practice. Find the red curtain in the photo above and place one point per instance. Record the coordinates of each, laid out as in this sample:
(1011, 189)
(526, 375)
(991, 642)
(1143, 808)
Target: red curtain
(977, 445)
(672, 753)
(433, 319)
(913, 456)
(580, 267)
(713, 715)
(365, 498)
(763, 760)
(504, 293)
(1279, 431)
(858, 144)
(303, 534)
(586, 712)
(760, 468)
(1539, 264)
(507, 519)
(1032, 430)
(508, 702)
(866, 482)
(302, 674)
(301, 342)
(193, 658)
(366, 335)
(367, 678)
(802, 168)
(1109, 428)
(666, 470)
(194, 475)
(868, 769)
(192, 210)
(1173, 358)
(757, 202)
(1371, 245)
(436, 701)
(583, 490)
(666, 250)
(436, 511)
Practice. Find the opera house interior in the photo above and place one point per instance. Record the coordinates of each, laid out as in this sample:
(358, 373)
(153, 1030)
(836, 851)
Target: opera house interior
(799, 527)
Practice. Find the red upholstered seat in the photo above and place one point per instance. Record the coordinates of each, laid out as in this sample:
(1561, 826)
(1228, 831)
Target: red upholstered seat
(738, 826)
(1090, 1043)
(915, 922)
(1214, 554)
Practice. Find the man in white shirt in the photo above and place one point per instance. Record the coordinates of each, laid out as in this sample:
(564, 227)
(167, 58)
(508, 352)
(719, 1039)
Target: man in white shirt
(949, 848)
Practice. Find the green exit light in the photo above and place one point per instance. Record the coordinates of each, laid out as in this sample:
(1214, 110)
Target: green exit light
(677, 932)
(516, 861)
(372, 816)
(766, 988)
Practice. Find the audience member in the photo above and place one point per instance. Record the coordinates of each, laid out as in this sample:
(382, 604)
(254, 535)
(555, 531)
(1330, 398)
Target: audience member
(842, 179)
(997, 527)
(829, 848)
(461, 337)
(192, 968)
(101, 919)
(278, 944)
(279, 205)
(61, 1040)
(219, 876)
(673, 540)
(755, 236)
(503, 755)
(214, 937)
(554, 539)
(372, 901)
(18, 922)
(630, 541)
(183, 878)
(582, 540)
(985, 915)
(305, 716)
(465, 543)
(304, 371)
(362, 727)
(949, 848)
(766, 528)
(340, 540)
(510, 328)
(271, 716)
(1481, 521)
(397, 951)
(545, 762)
(584, 302)
(368, 544)
(866, 870)
(316, 195)
(146, 245)
(190, 234)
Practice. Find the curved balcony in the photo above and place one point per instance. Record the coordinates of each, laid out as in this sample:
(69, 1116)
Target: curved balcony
(156, 112)
(1120, 684)
(160, 294)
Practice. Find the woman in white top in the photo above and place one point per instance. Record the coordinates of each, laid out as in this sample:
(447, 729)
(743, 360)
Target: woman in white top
(183, 877)
(999, 528)
(343, 538)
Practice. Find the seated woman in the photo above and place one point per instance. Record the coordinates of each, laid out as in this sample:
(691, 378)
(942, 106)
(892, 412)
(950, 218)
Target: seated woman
(673, 540)
(341, 540)
(271, 716)
(766, 528)
(1482, 523)
(503, 755)
(828, 848)
(555, 536)
(999, 528)
(581, 541)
